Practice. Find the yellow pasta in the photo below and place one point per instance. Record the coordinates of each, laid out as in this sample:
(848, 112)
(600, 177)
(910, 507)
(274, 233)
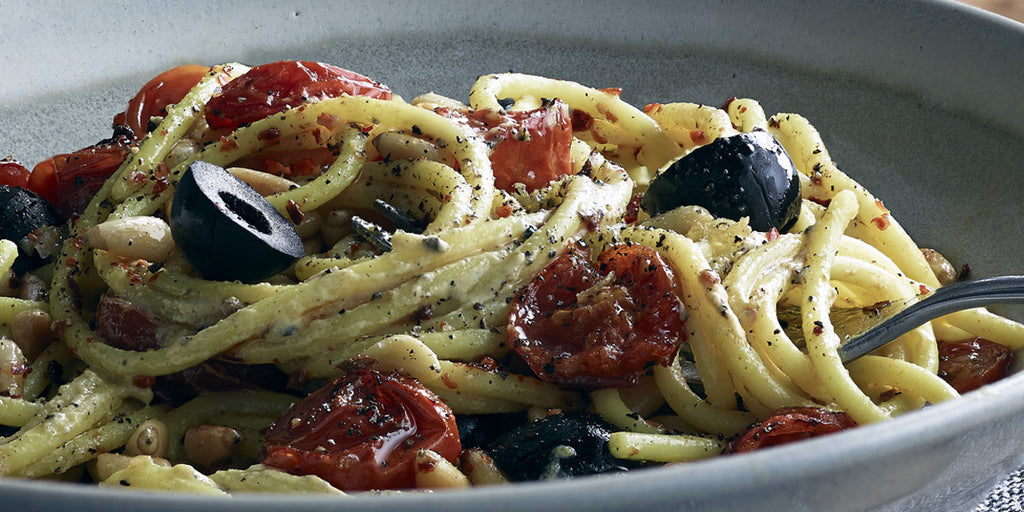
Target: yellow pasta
(413, 263)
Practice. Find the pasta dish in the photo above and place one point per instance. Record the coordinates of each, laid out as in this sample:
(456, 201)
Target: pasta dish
(286, 278)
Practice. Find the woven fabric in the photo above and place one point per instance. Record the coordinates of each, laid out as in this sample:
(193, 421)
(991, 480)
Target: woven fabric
(1008, 496)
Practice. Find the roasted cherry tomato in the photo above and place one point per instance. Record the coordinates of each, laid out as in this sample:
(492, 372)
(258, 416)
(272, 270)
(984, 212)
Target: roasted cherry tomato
(69, 181)
(362, 431)
(43, 180)
(13, 174)
(529, 147)
(790, 424)
(588, 326)
(164, 89)
(970, 364)
(270, 88)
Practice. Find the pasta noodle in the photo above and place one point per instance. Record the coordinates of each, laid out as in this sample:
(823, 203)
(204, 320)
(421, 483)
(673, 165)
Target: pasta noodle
(435, 303)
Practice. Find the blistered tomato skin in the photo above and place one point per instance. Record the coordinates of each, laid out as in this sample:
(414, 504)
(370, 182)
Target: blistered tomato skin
(531, 147)
(271, 88)
(362, 432)
(744, 175)
(13, 174)
(790, 424)
(164, 89)
(969, 364)
(69, 181)
(578, 328)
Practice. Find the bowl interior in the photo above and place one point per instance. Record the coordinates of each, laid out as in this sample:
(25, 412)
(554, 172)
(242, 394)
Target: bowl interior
(886, 85)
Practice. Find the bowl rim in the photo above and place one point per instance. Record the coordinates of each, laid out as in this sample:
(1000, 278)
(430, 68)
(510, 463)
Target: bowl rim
(921, 428)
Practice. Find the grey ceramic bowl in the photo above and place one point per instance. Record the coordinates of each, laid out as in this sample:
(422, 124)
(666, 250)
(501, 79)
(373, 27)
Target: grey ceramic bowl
(922, 102)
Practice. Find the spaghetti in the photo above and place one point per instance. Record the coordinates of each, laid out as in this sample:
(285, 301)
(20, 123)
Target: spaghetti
(434, 304)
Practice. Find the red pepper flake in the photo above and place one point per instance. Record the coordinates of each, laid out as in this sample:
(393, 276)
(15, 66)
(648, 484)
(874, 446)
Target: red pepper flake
(698, 137)
(353, 249)
(614, 91)
(448, 383)
(160, 186)
(270, 137)
(608, 115)
(819, 328)
(503, 211)
(227, 144)
(143, 381)
(632, 209)
(725, 106)
(277, 168)
(161, 171)
(327, 121)
(882, 222)
(652, 107)
(924, 289)
(78, 242)
(709, 278)
(295, 212)
(426, 466)
(597, 136)
(487, 364)
(137, 177)
(70, 262)
(581, 121)
(772, 235)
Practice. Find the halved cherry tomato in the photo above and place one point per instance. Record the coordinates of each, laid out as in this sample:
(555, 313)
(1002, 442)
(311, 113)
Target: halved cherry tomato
(362, 431)
(270, 88)
(13, 174)
(790, 424)
(43, 180)
(590, 326)
(69, 181)
(164, 89)
(969, 364)
(531, 147)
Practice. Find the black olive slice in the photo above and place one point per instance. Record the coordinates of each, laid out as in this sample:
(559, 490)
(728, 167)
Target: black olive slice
(22, 212)
(558, 446)
(227, 230)
(745, 175)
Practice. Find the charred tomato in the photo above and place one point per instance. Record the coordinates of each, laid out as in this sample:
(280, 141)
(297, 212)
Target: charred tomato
(591, 325)
(13, 174)
(529, 147)
(69, 181)
(790, 424)
(969, 364)
(271, 88)
(152, 99)
(362, 431)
